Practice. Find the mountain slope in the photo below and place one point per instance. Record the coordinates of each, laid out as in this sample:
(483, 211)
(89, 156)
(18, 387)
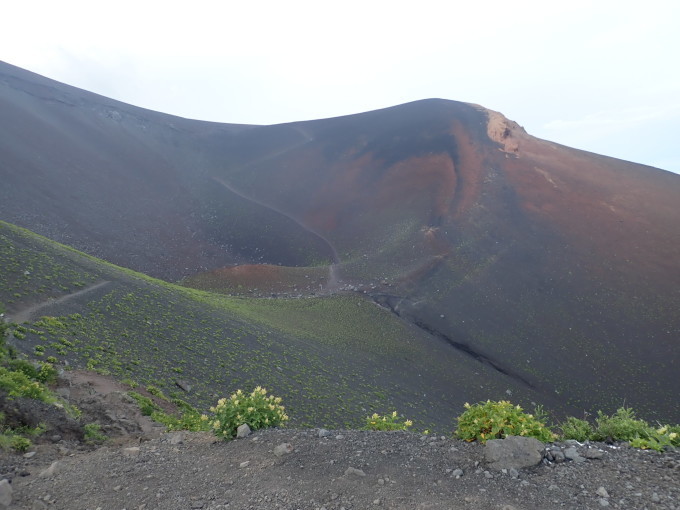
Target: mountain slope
(333, 359)
(556, 270)
(124, 183)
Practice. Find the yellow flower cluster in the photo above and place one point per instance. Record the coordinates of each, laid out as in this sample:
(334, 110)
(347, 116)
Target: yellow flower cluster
(256, 409)
(386, 422)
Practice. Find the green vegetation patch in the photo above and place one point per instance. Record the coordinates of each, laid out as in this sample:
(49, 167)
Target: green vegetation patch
(256, 409)
(390, 421)
(35, 268)
(496, 420)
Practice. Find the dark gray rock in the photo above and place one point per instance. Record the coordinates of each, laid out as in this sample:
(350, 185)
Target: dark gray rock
(555, 454)
(594, 453)
(571, 453)
(513, 452)
(183, 385)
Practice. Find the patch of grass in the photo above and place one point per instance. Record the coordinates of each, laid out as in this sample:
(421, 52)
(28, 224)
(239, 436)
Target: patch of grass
(93, 434)
(186, 418)
(391, 421)
(146, 405)
(130, 382)
(16, 442)
(156, 392)
(17, 439)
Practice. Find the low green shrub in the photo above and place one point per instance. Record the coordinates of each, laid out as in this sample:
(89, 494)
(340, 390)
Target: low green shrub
(18, 384)
(658, 439)
(47, 373)
(256, 409)
(188, 418)
(387, 422)
(620, 426)
(623, 425)
(156, 392)
(11, 441)
(575, 428)
(498, 419)
(15, 438)
(146, 405)
(93, 434)
(24, 366)
(129, 382)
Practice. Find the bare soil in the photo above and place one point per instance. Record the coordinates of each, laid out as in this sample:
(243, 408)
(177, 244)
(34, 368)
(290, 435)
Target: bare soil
(144, 469)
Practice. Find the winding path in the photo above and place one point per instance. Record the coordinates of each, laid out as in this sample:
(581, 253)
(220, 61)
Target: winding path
(28, 312)
(333, 276)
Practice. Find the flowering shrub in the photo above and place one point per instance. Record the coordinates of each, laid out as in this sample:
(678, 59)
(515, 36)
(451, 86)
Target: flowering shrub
(496, 420)
(257, 409)
(660, 439)
(623, 425)
(387, 422)
(18, 384)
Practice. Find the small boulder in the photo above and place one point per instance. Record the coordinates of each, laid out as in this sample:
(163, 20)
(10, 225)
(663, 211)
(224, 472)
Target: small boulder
(5, 494)
(555, 454)
(51, 471)
(514, 452)
(594, 453)
(133, 451)
(243, 431)
(183, 385)
(602, 492)
(283, 449)
(354, 472)
(571, 453)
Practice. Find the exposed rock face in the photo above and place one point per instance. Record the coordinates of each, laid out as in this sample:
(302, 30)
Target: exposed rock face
(513, 452)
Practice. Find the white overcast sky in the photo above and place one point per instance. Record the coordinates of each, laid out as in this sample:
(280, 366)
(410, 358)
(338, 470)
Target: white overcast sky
(598, 75)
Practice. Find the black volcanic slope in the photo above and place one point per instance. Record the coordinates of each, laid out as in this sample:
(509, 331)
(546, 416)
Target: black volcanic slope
(554, 269)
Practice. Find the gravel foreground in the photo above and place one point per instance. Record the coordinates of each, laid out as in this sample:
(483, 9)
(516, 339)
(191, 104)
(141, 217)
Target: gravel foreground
(318, 469)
